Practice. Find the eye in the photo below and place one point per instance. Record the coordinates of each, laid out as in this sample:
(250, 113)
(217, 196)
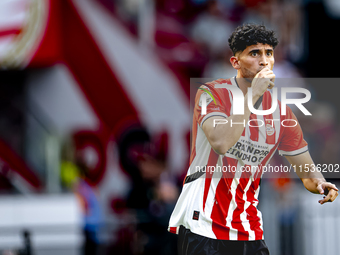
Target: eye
(253, 54)
(269, 53)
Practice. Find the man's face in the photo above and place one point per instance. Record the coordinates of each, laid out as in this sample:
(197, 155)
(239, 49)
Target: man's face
(254, 58)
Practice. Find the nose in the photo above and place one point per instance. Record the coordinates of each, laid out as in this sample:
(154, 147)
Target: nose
(264, 61)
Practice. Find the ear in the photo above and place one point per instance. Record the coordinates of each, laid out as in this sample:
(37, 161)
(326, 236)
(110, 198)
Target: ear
(235, 62)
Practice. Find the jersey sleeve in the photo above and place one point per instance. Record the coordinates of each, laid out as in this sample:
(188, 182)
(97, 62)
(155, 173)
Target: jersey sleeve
(292, 142)
(217, 105)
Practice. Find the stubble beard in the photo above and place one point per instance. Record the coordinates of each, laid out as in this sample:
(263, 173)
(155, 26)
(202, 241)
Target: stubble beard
(249, 75)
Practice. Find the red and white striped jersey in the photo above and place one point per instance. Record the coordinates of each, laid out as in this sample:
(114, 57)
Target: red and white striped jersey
(223, 204)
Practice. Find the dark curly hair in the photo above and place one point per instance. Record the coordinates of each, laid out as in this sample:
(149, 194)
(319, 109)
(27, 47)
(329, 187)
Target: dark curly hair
(251, 34)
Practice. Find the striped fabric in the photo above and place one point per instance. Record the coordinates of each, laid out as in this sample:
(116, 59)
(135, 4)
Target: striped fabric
(222, 203)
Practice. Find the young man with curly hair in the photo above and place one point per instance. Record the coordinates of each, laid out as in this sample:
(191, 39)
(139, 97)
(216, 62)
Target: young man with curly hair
(216, 212)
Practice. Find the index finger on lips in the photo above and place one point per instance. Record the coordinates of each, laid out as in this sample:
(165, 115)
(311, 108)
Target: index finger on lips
(263, 72)
(257, 75)
(269, 75)
(264, 69)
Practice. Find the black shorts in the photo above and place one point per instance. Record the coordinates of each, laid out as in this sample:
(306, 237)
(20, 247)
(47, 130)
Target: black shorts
(193, 244)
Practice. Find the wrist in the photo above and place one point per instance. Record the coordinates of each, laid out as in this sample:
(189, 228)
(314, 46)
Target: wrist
(256, 97)
(312, 184)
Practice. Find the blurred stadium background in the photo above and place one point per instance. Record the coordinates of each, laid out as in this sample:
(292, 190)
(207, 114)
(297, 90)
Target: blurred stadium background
(95, 120)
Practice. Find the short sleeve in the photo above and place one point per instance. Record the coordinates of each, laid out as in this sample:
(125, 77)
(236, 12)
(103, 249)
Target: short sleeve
(217, 103)
(292, 142)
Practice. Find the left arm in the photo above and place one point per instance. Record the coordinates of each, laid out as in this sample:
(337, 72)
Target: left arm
(312, 179)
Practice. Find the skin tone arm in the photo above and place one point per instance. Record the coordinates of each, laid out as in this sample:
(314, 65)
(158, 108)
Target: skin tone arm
(312, 179)
(223, 137)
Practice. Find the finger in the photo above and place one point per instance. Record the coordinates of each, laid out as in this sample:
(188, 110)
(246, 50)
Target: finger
(269, 75)
(264, 71)
(334, 194)
(324, 200)
(327, 187)
(333, 197)
(330, 186)
(257, 75)
(271, 85)
(320, 189)
(328, 198)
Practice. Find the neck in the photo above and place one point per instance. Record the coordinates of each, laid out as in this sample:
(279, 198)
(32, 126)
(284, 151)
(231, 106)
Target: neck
(243, 83)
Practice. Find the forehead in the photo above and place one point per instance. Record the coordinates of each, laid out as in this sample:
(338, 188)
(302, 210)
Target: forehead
(259, 46)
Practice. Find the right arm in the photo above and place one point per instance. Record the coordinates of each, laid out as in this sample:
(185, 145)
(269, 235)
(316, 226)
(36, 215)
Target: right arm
(223, 136)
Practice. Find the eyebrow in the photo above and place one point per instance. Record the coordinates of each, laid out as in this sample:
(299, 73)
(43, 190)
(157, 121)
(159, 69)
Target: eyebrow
(257, 50)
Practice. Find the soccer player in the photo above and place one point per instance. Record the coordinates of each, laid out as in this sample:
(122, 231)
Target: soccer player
(216, 212)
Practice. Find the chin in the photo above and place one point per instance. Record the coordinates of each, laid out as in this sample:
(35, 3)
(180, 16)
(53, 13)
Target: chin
(248, 75)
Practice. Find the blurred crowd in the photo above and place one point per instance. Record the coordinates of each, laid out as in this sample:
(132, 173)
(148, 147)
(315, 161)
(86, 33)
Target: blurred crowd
(192, 36)
(143, 213)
